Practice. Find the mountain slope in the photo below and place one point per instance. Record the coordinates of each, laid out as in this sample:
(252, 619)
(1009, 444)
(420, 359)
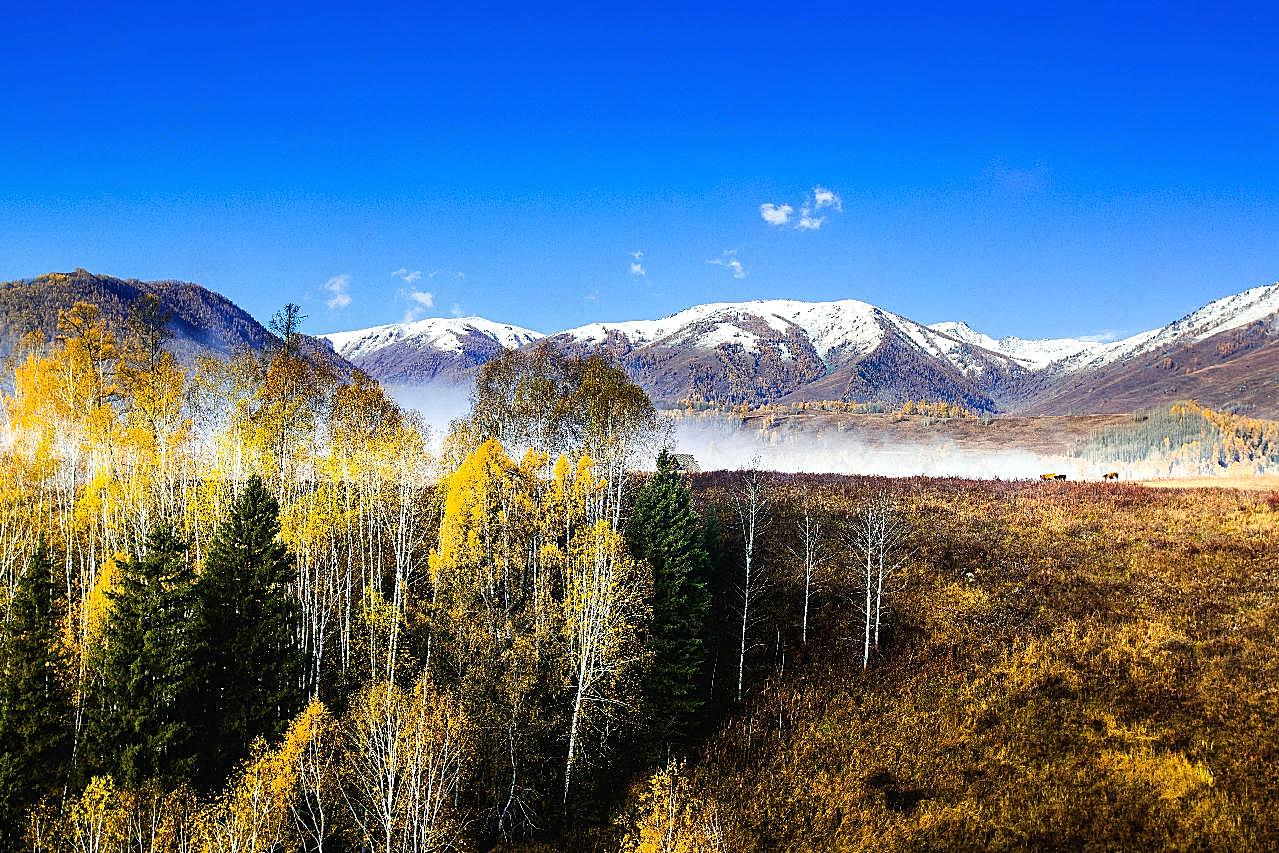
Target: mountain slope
(1029, 353)
(766, 350)
(1225, 355)
(202, 321)
(438, 348)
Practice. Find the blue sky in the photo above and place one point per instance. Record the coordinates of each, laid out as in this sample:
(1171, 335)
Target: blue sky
(1073, 170)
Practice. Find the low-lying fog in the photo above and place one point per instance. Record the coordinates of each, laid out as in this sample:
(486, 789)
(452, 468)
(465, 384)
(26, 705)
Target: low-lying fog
(722, 442)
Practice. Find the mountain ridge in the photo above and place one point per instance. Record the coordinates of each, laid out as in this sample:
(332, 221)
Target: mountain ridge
(1224, 353)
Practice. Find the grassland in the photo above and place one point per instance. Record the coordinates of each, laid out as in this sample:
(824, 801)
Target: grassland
(1072, 666)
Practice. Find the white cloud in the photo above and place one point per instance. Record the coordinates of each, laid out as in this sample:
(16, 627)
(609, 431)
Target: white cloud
(808, 222)
(421, 300)
(456, 310)
(818, 198)
(823, 197)
(1103, 337)
(637, 269)
(338, 287)
(728, 260)
(405, 276)
(776, 214)
(457, 274)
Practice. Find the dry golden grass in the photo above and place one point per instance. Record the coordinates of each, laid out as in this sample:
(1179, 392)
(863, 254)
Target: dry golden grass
(1256, 483)
(1073, 666)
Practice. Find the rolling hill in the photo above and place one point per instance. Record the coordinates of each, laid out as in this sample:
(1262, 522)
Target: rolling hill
(202, 321)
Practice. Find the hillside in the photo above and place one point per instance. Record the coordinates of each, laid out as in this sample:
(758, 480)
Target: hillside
(1071, 667)
(1225, 354)
(423, 351)
(766, 350)
(202, 321)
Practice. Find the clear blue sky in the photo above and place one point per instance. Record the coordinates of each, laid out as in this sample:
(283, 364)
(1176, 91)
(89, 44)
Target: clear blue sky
(1074, 171)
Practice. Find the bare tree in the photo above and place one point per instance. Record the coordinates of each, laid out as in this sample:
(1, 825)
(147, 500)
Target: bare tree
(752, 501)
(811, 553)
(878, 535)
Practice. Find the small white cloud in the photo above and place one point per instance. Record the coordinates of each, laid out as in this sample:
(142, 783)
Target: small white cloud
(823, 197)
(637, 269)
(728, 260)
(337, 286)
(776, 214)
(593, 296)
(819, 198)
(404, 275)
(421, 300)
(808, 222)
(456, 310)
(1103, 337)
(457, 274)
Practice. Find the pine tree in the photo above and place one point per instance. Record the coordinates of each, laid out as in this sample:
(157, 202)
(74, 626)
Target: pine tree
(665, 531)
(139, 713)
(247, 632)
(35, 699)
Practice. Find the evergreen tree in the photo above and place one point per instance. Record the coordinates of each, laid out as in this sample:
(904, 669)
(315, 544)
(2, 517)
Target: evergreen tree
(247, 628)
(35, 700)
(140, 722)
(665, 531)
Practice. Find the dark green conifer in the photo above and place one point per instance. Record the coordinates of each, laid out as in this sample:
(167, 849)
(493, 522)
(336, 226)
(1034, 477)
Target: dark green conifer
(35, 698)
(139, 722)
(665, 531)
(247, 628)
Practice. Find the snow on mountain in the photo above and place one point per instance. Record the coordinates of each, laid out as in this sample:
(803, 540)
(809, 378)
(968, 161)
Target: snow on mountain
(1222, 315)
(837, 330)
(1033, 354)
(447, 334)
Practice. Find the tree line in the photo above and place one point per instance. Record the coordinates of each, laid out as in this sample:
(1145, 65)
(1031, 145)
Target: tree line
(246, 609)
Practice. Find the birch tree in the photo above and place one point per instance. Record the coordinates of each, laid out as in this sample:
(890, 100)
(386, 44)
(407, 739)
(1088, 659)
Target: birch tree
(752, 502)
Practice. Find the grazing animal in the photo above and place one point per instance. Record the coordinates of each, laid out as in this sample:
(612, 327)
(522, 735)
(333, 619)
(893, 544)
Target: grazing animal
(1059, 477)
(1110, 475)
(1048, 476)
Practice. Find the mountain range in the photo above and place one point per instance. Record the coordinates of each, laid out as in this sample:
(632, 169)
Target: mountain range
(1225, 354)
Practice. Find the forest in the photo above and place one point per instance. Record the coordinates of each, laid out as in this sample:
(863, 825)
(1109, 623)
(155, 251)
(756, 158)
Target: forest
(247, 608)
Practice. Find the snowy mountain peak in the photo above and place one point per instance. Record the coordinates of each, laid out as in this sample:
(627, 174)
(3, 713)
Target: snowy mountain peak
(448, 334)
(836, 330)
(1221, 315)
(1033, 354)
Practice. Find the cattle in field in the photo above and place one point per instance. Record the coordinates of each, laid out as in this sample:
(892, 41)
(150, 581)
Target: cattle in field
(1048, 476)
(1059, 477)
(1110, 475)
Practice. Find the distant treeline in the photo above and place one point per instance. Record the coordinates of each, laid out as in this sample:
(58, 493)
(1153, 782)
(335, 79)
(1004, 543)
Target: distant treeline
(1189, 438)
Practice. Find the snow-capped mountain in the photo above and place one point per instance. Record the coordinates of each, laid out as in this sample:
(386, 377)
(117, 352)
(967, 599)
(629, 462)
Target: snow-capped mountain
(1029, 353)
(783, 349)
(424, 350)
(1225, 354)
(1222, 315)
(774, 349)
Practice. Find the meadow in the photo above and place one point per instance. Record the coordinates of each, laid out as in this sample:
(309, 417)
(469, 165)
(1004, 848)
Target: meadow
(1078, 666)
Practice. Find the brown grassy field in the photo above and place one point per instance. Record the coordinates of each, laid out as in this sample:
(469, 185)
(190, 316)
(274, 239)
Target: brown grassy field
(1260, 483)
(1073, 666)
